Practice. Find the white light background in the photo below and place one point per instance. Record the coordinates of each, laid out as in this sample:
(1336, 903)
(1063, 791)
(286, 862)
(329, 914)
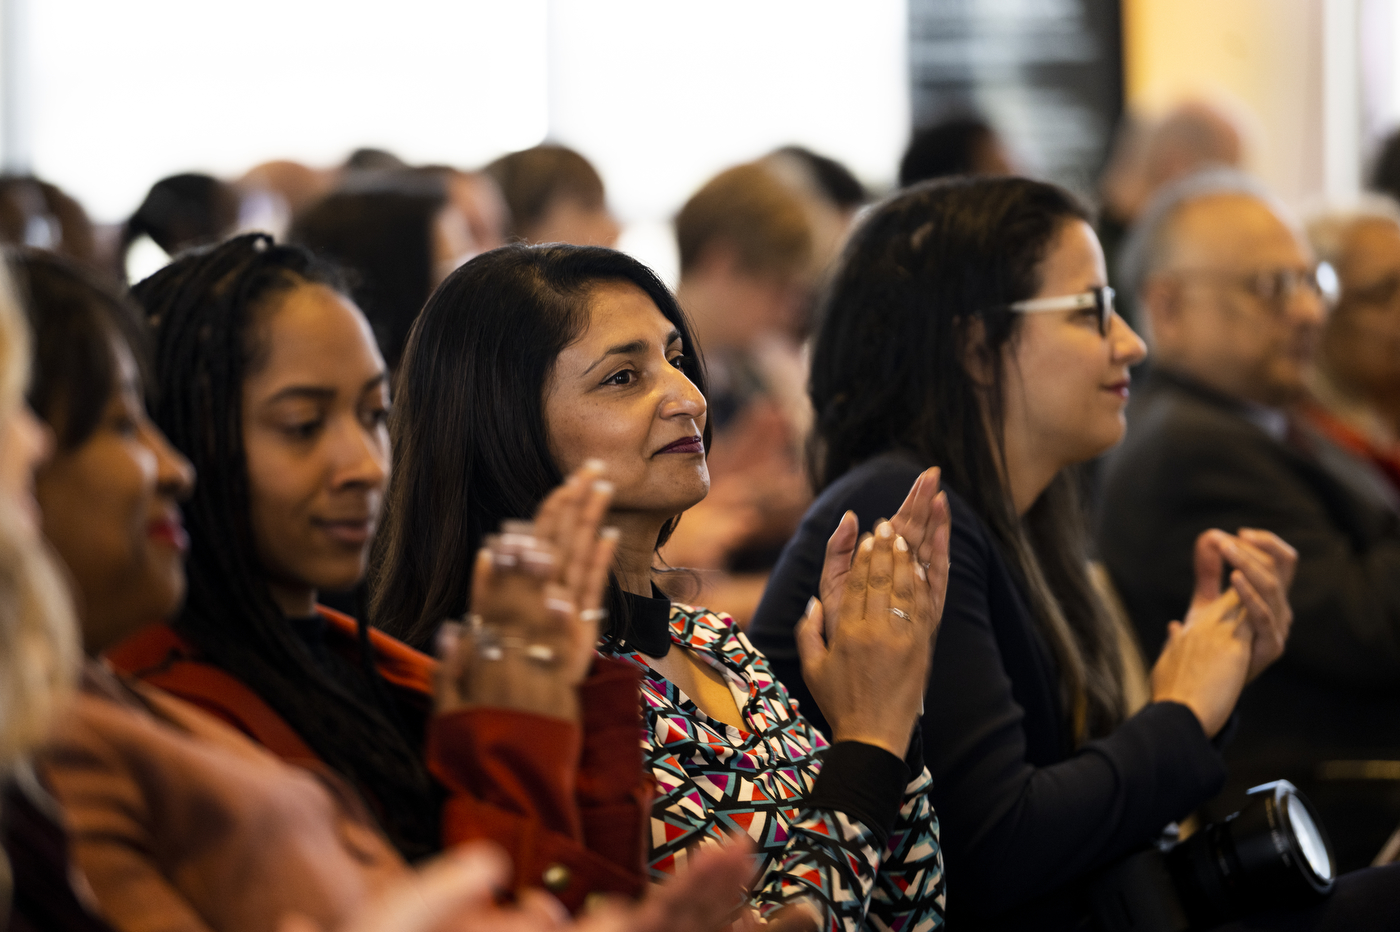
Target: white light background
(659, 95)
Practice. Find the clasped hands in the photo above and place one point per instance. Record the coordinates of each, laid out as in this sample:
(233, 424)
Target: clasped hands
(1229, 637)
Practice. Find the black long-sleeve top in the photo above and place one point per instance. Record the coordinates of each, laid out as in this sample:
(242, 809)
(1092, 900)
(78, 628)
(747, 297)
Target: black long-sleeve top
(1027, 817)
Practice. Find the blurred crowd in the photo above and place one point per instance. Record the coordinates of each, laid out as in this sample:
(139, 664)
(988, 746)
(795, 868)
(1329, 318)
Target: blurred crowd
(1136, 463)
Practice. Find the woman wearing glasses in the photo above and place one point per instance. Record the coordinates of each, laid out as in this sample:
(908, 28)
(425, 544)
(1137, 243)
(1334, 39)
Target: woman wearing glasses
(970, 327)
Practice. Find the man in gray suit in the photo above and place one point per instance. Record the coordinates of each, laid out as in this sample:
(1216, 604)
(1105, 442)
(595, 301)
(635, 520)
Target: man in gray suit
(1227, 288)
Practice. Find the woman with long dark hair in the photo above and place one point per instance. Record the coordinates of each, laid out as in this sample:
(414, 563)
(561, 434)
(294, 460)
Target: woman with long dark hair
(268, 379)
(529, 360)
(970, 327)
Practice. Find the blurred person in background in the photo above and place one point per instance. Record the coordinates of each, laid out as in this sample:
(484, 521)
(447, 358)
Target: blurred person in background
(960, 145)
(479, 199)
(39, 660)
(1226, 281)
(555, 196)
(298, 186)
(832, 195)
(746, 246)
(275, 192)
(37, 214)
(178, 213)
(1149, 154)
(1356, 384)
(399, 235)
(372, 159)
(1385, 171)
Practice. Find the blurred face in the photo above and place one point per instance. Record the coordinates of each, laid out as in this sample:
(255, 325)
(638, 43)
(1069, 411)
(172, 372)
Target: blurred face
(618, 395)
(570, 220)
(1066, 384)
(317, 447)
(111, 510)
(24, 443)
(452, 242)
(1362, 340)
(1209, 318)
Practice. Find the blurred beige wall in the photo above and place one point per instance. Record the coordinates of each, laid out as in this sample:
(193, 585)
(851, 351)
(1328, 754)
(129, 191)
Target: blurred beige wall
(1269, 58)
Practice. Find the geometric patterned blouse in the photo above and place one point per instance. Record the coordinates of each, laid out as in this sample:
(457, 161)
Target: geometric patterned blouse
(713, 779)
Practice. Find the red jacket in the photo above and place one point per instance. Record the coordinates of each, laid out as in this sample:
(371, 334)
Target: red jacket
(569, 804)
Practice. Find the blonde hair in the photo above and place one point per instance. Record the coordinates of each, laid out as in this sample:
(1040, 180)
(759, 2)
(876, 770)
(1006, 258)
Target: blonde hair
(39, 647)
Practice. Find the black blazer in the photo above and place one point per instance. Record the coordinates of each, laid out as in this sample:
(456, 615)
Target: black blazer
(1026, 817)
(1193, 460)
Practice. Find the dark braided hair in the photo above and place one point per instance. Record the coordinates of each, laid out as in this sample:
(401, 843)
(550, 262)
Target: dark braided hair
(201, 308)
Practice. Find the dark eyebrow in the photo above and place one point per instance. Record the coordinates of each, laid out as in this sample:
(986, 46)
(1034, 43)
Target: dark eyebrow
(322, 392)
(623, 349)
(309, 392)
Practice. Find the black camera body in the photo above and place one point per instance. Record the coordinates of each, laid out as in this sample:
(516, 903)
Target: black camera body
(1272, 854)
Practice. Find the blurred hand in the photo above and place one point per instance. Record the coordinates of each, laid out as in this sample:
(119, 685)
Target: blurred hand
(715, 527)
(869, 671)
(1205, 662)
(455, 893)
(1263, 571)
(537, 589)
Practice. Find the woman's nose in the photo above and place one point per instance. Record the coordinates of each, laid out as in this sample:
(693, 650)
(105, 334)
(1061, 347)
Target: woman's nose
(174, 473)
(1128, 347)
(361, 458)
(683, 398)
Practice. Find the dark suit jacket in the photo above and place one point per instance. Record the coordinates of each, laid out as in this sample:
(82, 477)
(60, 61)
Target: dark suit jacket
(1193, 460)
(1026, 817)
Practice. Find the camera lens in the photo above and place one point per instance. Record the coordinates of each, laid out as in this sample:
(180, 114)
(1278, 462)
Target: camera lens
(1272, 853)
(1311, 842)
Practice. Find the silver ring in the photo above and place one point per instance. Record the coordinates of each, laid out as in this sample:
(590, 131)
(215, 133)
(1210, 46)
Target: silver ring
(900, 612)
(593, 614)
(925, 566)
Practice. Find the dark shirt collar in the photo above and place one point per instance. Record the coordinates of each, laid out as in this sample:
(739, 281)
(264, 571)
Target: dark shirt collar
(648, 626)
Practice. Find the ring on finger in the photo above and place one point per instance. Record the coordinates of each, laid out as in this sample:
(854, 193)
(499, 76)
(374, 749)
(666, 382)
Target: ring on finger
(593, 614)
(900, 612)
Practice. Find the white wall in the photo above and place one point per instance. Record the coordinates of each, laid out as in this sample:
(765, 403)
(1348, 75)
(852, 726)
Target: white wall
(659, 95)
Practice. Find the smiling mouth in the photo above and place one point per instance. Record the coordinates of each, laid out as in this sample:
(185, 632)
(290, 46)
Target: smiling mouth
(684, 445)
(351, 532)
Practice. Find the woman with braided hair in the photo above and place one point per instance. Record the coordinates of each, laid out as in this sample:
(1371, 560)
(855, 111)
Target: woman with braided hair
(268, 379)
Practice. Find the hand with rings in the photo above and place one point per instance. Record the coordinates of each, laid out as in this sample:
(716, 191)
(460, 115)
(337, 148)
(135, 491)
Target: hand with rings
(537, 590)
(921, 520)
(866, 661)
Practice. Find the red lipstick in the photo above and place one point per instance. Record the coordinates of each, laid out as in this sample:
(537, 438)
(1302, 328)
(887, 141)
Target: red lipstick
(684, 445)
(169, 530)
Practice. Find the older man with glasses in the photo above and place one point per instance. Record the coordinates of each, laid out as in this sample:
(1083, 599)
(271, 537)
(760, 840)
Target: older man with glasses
(1235, 310)
(1356, 389)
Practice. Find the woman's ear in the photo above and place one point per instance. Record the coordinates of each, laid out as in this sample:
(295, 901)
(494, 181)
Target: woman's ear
(976, 358)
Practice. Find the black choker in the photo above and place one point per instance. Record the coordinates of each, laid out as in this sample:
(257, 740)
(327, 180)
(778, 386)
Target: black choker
(648, 626)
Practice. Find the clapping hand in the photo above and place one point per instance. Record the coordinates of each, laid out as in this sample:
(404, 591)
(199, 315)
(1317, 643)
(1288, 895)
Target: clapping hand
(922, 520)
(1230, 635)
(1262, 570)
(866, 660)
(456, 892)
(537, 590)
